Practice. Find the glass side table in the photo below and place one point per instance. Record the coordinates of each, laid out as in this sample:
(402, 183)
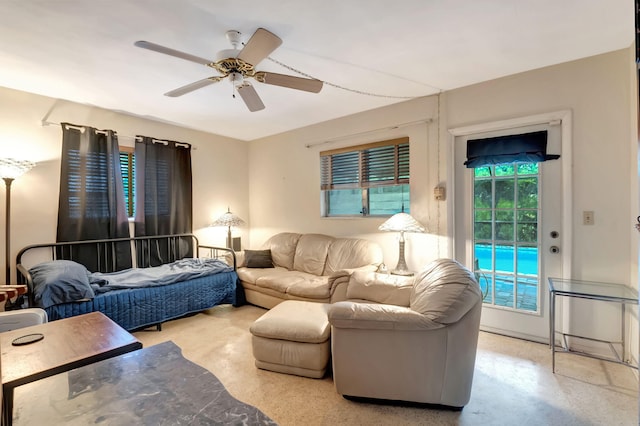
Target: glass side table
(607, 292)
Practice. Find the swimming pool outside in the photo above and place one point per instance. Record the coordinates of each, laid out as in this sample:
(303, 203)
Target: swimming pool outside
(503, 280)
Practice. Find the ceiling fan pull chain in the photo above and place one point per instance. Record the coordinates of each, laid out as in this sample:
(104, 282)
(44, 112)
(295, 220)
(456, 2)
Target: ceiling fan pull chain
(360, 92)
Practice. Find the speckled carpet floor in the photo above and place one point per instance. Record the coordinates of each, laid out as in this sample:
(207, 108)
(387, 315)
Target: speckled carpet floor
(513, 383)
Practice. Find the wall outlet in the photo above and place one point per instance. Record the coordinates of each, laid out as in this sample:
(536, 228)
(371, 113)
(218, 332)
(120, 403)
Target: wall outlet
(588, 217)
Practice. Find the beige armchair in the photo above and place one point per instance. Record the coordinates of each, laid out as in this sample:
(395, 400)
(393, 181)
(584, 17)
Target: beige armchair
(408, 340)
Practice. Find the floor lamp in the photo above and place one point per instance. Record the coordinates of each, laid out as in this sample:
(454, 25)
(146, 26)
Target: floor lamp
(401, 222)
(229, 219)
(11, 169)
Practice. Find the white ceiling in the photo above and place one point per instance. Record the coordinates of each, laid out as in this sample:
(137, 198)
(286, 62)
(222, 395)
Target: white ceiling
(82, 51)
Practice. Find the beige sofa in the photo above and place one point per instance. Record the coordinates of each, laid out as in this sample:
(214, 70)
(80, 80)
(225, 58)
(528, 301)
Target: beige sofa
(307, 267)
(408, 340)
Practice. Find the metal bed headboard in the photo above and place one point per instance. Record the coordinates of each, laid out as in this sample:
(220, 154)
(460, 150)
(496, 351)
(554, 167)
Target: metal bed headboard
(141, 249)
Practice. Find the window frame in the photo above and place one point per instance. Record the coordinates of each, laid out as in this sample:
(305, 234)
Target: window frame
(359, 174)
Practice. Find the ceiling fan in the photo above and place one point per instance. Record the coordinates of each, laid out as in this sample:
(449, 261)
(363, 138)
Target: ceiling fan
(238, 65)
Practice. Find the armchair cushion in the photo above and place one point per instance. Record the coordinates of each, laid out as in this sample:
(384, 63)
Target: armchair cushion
(375, 316)
(380, 288)
(444, 291)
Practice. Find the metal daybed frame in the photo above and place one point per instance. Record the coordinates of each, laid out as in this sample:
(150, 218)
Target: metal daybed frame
(141, 307)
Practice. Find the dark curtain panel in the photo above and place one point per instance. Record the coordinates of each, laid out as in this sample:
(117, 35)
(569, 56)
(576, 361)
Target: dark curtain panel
(163, 195)
(91, 202)
(523, 148)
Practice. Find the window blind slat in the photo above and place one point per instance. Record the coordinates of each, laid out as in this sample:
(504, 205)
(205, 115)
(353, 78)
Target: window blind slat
(363, 168)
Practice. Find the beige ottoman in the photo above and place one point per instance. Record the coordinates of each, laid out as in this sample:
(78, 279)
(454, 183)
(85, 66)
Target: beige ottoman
(293, 338)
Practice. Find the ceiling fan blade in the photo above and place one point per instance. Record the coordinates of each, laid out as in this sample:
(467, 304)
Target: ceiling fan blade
(290, 81)
(172, 52)
(250, 97)
(192, 86)
(259, 46)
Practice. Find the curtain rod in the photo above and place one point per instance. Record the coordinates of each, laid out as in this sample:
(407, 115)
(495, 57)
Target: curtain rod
(397, 126)
(133, 138)
(46, 123)
(163, 141)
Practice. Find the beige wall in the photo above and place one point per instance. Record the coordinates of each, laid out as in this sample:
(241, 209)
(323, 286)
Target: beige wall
(284, 178)
(284, 174)
(599, 93)
(219, 164)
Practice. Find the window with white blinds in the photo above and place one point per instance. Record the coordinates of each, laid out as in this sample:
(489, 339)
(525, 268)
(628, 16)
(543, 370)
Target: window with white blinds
(366, 180)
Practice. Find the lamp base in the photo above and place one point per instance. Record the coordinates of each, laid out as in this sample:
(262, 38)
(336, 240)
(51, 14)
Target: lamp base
(401, 267)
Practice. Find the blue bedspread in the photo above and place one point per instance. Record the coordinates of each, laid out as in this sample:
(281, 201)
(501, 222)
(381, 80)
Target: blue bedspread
(180, 270)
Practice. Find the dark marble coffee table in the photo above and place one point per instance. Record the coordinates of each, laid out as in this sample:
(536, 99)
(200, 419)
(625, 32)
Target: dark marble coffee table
(151, 386)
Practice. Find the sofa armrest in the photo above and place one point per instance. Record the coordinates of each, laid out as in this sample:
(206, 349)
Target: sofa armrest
(338, 284)
(375, 316)
(339, 281)
(235, 259)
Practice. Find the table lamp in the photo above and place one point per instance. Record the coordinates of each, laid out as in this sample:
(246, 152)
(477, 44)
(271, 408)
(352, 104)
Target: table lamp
(401, 222)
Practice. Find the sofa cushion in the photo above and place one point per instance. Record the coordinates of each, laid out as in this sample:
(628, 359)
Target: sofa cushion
(348, 253)
(251, 275)
(381, 288)
(311, 253)
(297, 284)
(280, 282)
(311, 288)
(283, 248)
(444, 291)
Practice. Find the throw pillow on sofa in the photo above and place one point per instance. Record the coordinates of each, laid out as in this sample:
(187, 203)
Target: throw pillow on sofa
(258, 259)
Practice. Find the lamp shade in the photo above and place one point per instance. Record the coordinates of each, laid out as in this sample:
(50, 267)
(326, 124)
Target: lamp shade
(11, 168)
(228, 219)
(401, 222)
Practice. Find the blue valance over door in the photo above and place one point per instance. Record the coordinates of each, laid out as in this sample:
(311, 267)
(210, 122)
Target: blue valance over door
(521, 148)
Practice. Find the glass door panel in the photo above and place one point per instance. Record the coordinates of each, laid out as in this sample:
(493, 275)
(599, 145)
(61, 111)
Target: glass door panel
(506, 212)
